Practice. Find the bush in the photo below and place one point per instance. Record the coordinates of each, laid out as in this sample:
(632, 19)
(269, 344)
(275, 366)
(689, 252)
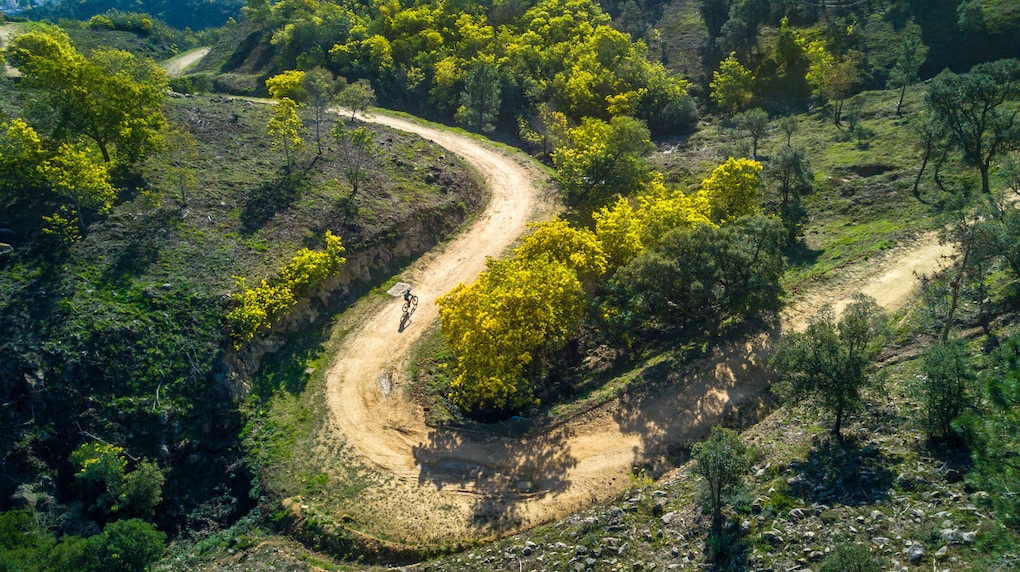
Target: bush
(945, 387)
(995, 433)
(257, 309)
(706, 275)
(830, 361)
(195, 83)
(722, 461)
(851, 558)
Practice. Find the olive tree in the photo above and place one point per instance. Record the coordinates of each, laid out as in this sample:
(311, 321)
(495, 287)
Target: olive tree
(721, 461)
(973, 109)
(830, 360)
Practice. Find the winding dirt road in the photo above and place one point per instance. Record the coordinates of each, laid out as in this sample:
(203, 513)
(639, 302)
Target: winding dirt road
(179, 64)
(6, 31)
(450, 485)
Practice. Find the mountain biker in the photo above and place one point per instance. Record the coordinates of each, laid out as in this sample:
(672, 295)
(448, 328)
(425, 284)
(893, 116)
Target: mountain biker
(407, 295)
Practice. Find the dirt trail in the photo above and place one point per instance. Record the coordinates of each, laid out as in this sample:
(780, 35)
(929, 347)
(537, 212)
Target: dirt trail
(6, 31)
(448, 485)
(179, 64)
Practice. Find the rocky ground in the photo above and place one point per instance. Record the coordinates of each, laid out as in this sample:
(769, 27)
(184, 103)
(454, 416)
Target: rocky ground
(883, 487)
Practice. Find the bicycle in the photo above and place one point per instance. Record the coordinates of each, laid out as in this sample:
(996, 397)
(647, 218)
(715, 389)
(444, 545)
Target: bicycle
(410, 304)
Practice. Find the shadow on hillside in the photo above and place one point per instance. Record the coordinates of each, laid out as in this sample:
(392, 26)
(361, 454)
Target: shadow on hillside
(519, 470)
(674, 405)
(801, 255)
(728, 551)
(142, 244)
(263, 202)
(286, 370)
(953, 456)
(843, 473)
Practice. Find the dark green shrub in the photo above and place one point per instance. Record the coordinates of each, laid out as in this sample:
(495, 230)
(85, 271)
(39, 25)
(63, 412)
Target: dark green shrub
(851, 558)
(945, 387)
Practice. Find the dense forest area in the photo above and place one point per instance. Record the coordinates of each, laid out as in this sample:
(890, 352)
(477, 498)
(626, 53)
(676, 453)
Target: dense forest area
(714, 158)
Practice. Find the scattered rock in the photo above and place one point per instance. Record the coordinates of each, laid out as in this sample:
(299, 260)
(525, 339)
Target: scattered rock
(659, 507)
(915, 553)
(969, 537)
(797, 514)
(757, 505)
(23, 498)
(949, 535)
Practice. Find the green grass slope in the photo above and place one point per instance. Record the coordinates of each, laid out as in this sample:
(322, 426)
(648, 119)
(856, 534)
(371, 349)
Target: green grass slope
(123, 337)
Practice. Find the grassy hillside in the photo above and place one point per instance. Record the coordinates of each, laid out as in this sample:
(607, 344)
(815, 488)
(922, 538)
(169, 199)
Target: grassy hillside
(124, 334)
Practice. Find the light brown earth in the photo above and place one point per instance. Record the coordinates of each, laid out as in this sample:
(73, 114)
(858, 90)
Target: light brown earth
(448, 485)
(179, 64)
(6, 31)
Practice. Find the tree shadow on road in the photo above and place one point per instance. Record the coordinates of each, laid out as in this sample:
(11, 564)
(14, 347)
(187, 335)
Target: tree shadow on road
(675, 404)
(517, 470)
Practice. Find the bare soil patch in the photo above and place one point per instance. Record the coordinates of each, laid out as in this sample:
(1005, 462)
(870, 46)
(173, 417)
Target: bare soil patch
(178, 65)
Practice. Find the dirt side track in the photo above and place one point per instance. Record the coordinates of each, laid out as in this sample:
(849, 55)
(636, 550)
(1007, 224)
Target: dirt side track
(449, 486)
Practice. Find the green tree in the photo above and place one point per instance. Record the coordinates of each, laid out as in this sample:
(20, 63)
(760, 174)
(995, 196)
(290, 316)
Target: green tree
(973, 109)
(285, 129)
(722, 462)
(789, 126)
(754, 122)
(113, 97)
(479, 102)
(74, 175)
(357, 97)
(909, 59)
(714, 13)
(181, 151)
(321, 89)
(945, 387)
(830, 360)
(789, 173)
(732, 85)
(355, 153)
(732, 188)
(705, 275)
(502, 328)
(130, 545)
(142, 490)
(995, 433)
(23, 547)
(602, 159)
